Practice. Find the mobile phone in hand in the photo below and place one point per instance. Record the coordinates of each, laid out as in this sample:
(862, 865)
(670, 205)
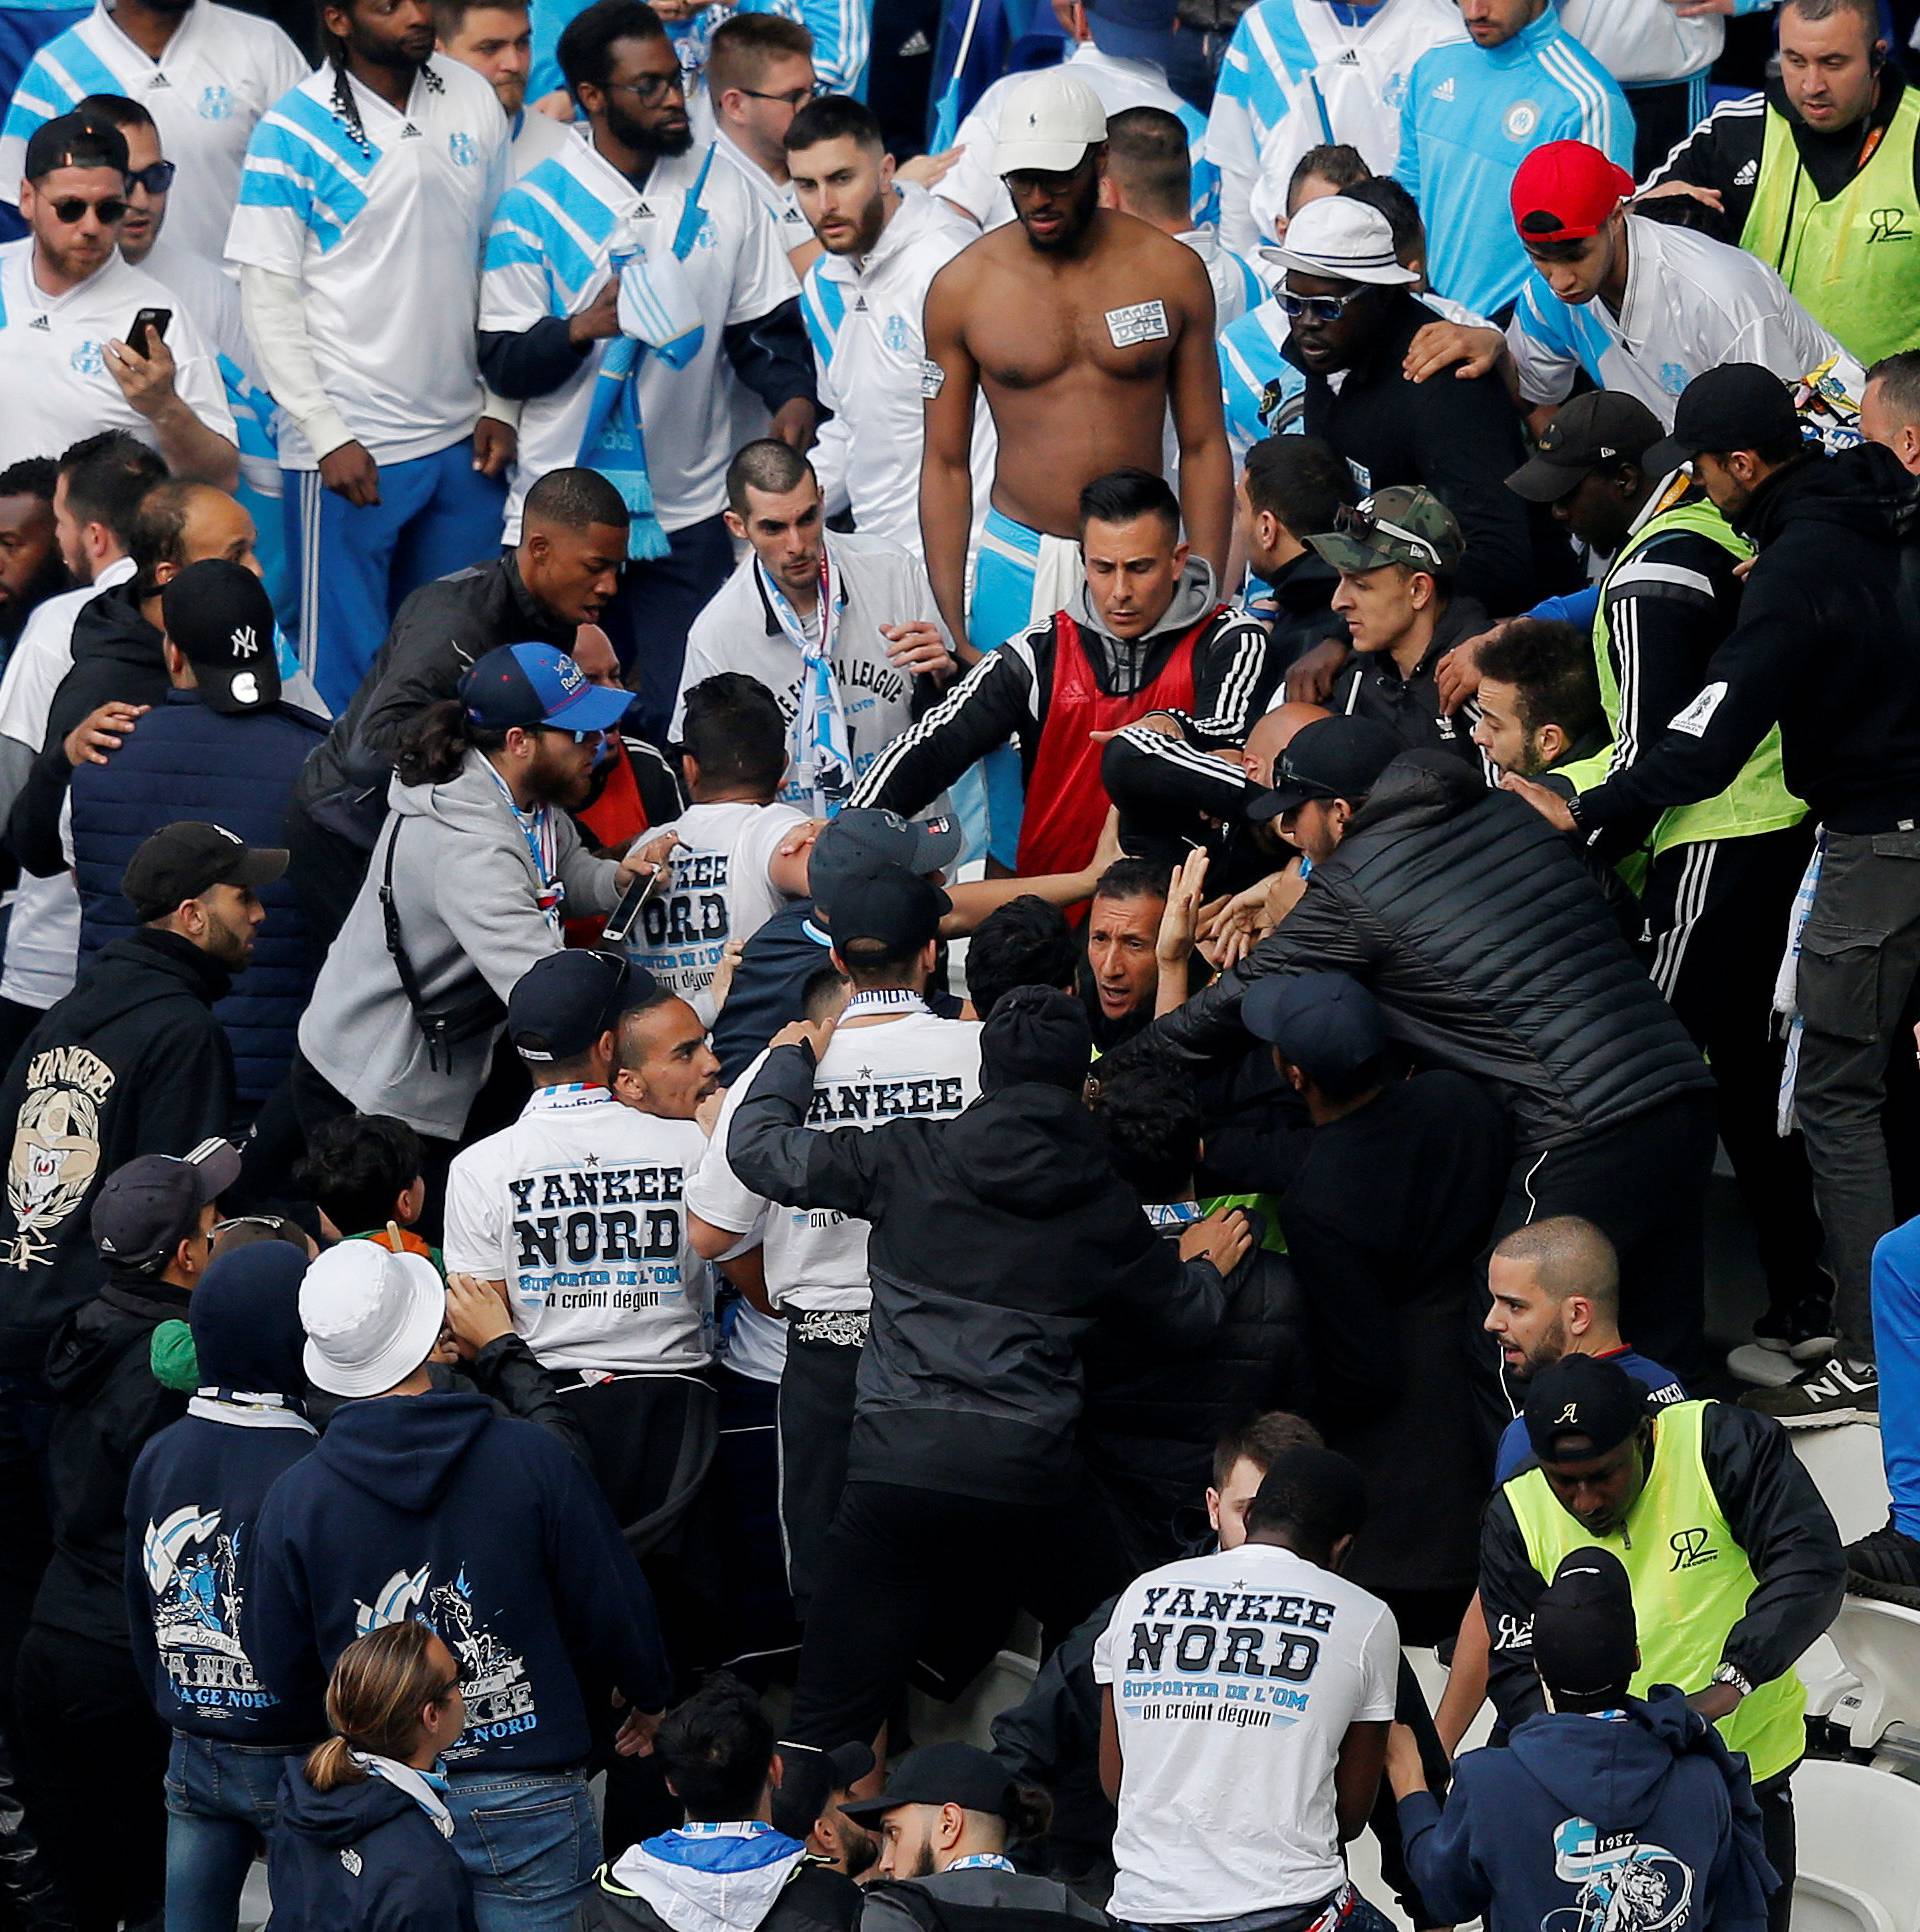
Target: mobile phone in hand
(154, 320)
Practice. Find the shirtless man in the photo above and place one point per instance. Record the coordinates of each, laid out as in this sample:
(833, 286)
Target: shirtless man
(1083, 326)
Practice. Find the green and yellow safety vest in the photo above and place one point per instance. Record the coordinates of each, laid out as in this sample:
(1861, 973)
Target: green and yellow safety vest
(1758, 799)
(1690, 1579)
(1854, 261)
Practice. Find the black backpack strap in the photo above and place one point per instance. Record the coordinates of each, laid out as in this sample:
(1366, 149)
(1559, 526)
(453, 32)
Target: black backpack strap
(443, 1027)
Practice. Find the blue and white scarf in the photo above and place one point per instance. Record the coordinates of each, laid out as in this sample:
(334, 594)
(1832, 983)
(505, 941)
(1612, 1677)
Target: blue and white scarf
(613, 442)
(826, 745)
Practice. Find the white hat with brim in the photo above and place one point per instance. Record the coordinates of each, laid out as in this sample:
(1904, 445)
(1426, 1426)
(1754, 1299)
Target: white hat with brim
(371, 1316)
(1343, 240)
(1049, 122)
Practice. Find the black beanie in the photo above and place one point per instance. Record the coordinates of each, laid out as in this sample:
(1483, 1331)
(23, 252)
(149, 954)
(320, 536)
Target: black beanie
(1036, 1034)
(245, 1316)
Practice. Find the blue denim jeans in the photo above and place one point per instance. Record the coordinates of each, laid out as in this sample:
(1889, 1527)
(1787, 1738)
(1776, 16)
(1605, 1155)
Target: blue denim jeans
(222, 1800)
(530, 1845)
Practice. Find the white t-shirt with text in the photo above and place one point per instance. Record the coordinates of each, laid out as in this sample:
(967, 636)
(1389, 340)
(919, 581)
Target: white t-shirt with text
(1235, 1676)
(578, 1207)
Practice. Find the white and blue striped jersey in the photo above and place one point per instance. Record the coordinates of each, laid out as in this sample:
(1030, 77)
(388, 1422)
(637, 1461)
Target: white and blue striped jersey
(973, 186)
(1473, 114)
(1256, 379)
(1237, 286)
(1647, 43)
(381, 224)
(864, 321)
(537, 137)
(554, 235)
(219, 73)
(1691, 304)
(1299, 73)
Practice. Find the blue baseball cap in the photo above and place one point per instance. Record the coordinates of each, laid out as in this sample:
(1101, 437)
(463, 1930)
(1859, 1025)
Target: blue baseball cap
(533, 684)
(1327, 1024)
(1132, 29)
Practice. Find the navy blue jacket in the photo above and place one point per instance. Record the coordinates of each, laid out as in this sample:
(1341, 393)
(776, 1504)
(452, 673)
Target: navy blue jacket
(431, 1506)
(184, 760)
(1577, 1809)
(362, 1857)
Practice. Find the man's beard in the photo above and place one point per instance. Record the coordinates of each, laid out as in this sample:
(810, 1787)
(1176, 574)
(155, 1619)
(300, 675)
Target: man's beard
(1080, 213)
(862, 1848)
(873, 218)
(644, 138)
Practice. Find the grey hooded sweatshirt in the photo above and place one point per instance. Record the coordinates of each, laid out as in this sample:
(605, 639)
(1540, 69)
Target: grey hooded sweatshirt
(467, 892)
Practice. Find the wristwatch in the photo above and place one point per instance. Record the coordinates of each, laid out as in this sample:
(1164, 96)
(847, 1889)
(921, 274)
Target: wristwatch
(1738, 1680)
(1574, 812)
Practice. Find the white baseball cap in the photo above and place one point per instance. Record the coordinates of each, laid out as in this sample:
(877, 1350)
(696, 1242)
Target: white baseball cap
(371, 1317)
(1049, 122)
(1343, 239)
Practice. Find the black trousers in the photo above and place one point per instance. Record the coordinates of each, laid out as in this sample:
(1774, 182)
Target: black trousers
(757, 1628)
(816, 1418)
(1775, 1799)
(901, 1565)
(1643, 1183)
(92, 1755)
(325, 869)
(1717, 921)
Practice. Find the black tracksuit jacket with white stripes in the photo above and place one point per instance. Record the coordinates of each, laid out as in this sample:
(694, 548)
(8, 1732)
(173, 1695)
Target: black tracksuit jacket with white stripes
(1005, 696)
(1723, 152)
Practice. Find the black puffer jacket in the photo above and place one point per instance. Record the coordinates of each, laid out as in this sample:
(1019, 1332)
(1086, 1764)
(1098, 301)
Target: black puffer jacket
(1489, 948)
(1154, 1412)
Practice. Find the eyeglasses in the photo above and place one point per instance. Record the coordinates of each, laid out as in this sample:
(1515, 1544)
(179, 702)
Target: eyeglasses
(70, 209)
(156, 177)
(1315, 308)
(1351, 520)
(649, 87)
(796, 98)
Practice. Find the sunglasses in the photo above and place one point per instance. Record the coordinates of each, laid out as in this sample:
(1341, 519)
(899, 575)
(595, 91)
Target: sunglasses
(70, 209)
(1350, 520)
(277, 1222)
(156, 177)
(1315, 308)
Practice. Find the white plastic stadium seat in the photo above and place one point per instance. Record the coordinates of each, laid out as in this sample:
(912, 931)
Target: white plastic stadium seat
(1859, 1854)
(1846, 1468)
(1880, 1644)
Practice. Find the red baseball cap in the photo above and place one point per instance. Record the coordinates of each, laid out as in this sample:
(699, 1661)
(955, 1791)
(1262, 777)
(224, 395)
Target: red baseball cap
(1565, 191)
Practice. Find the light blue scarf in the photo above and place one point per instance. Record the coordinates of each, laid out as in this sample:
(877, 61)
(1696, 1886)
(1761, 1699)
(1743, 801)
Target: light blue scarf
(613, 442)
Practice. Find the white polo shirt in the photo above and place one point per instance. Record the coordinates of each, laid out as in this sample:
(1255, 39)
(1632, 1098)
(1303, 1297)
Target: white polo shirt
(720, 892)
(879, 584)
(55, 386)
(383, 232)
(1235, 1676)
(578, 1207)
(553, 235)
(219, 73)
(43, 934)
(1691, 304)
(864, 318)
(914, 1067)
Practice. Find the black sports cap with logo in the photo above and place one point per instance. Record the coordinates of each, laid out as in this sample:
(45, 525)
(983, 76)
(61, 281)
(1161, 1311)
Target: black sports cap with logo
(218, 617)
(942, 1774)
(74, 141)
(865, 838)
(1739, 405)
(188, 857)
(145, 1209)
(890, 907)
(562, 1004)
(1329, 758)
(1585, 1636)
(1582, 1407)
(1590, 430)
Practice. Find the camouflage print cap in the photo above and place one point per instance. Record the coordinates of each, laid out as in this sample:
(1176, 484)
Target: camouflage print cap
(1403, 526)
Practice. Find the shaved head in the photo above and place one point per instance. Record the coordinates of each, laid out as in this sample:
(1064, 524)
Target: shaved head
(1271, 736)
(1569, 1256)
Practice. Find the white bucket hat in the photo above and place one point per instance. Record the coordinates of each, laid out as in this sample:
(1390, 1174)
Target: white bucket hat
(1049, 122)
(1342, 239)
(371, 1317)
